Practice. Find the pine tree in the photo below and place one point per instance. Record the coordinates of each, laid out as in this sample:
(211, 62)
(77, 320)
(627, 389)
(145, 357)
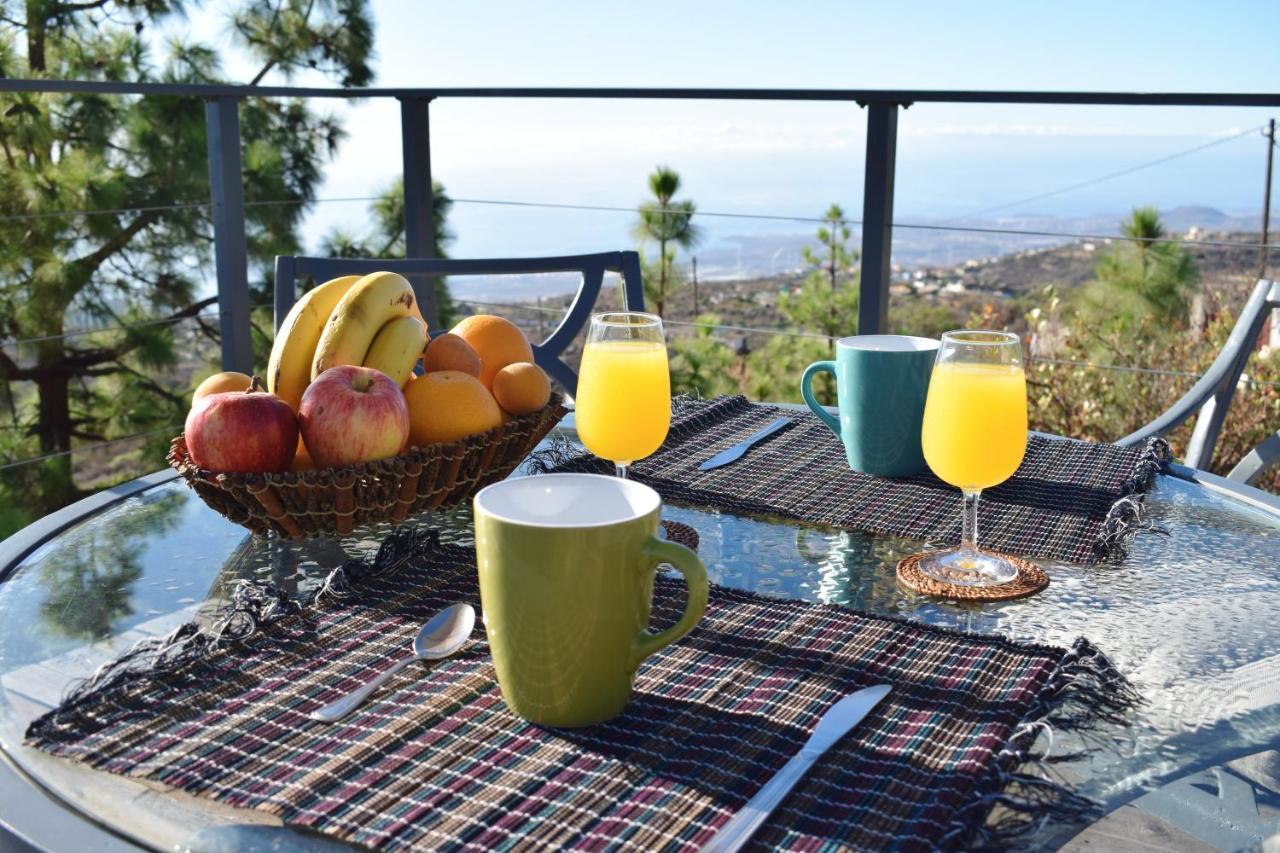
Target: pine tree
(828, 299)
(104, 221)
(669, 223)
(1142, 278)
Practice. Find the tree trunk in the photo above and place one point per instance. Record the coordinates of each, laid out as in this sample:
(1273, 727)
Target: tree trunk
(35, 36)
(662, 276)
(54, 424)
(831, 298)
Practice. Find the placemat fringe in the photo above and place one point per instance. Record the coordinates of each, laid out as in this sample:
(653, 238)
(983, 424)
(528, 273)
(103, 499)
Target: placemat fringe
(1020, 794)
(557, 451)
(401, 547)
(1127, 516)
(253, 606)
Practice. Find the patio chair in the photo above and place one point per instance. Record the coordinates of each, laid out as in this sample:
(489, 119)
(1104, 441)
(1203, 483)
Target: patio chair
(422, 272)
(1211, 396)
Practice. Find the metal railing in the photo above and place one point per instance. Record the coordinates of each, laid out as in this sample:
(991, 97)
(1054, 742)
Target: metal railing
(883, 108)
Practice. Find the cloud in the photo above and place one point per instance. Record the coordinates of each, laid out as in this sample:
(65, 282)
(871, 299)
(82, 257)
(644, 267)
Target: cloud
(997, 129)
(654, 137)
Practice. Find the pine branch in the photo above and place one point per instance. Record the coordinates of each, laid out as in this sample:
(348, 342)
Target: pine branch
(257, 78)
(60, 8)
(90, 263)
(151, 385)
(9, 368)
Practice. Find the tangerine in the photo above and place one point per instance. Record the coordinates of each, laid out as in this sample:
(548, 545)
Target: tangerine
(450, 352)
(521, 388)
(220, 383)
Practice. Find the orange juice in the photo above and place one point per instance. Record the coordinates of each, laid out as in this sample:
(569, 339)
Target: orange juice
(975, 423)
(624, 399)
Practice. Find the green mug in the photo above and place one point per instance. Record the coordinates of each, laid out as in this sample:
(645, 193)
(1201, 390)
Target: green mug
(881, 384)
(566, 566)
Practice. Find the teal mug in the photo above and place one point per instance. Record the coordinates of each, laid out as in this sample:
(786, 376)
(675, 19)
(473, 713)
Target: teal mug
(881, 384)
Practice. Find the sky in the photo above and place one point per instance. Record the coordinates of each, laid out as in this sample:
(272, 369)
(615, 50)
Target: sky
(796, 158)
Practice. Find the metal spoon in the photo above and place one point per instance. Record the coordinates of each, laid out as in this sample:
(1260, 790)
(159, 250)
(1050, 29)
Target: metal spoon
(441, 636)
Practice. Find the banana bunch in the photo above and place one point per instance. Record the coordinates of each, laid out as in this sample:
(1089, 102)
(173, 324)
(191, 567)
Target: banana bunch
(372, 321)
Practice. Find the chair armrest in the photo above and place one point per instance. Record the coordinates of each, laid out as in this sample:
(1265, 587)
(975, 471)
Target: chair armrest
(1225, 371)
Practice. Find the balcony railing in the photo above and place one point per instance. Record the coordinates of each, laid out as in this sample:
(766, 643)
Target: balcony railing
(882, 106)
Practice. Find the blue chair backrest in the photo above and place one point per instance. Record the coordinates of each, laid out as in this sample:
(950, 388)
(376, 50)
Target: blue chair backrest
(422, 273)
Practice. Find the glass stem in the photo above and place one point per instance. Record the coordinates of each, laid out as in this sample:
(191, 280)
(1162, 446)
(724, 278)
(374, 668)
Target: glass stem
(621, 469)
(969, 530)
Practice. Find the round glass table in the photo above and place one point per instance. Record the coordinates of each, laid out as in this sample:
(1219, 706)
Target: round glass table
(1189, 616)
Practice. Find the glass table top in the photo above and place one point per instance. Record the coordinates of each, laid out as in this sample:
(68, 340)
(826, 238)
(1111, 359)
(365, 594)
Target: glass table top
(1188, 616)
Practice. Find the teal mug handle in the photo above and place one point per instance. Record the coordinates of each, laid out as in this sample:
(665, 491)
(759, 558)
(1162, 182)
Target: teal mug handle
(807, 392)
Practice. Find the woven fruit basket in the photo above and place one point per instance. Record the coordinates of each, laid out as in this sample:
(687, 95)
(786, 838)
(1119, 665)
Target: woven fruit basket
(330, 501)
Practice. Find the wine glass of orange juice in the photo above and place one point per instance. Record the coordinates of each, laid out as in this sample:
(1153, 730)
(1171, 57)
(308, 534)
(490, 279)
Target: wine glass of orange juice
(974, 437)
(623, 406)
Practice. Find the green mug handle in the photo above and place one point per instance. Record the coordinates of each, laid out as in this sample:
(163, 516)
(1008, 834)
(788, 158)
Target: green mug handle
(807, 392)
(695, 575)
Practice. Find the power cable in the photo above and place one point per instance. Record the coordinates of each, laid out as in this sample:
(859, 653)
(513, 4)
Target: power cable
(159, 321)
(1146, 371)
(1130, 170)
(97, 446)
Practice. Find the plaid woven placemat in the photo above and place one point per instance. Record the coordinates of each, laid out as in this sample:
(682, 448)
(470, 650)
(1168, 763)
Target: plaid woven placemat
(1069, 500)
(436, 760)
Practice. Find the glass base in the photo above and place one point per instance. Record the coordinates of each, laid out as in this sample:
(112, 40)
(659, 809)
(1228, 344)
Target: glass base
(968, 568)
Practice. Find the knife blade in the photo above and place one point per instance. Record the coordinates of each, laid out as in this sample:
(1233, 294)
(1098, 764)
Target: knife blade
(838, 720)
(733, 454)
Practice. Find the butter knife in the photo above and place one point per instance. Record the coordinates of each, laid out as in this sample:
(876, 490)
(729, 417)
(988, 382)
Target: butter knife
(839, 719)
(733, 454)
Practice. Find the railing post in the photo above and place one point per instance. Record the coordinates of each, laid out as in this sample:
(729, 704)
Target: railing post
(877, 217)
(226, 185)
(419, 214)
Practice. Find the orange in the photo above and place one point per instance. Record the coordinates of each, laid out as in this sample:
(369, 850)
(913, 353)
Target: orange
(302, 459)
(448, 405)
(498, 342)
(521, 388)
(219, 383)
(450, 352)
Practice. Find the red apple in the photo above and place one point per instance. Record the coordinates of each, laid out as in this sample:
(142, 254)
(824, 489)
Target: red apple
(353, 414)
(242, 431)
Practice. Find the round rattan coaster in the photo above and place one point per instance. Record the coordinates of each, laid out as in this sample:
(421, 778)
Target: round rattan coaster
(1030, 580)
(681, 534)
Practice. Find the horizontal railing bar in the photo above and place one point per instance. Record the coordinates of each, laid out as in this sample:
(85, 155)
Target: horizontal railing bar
(1146, 371)
(683, 323)
(775, 217)
(862, 96)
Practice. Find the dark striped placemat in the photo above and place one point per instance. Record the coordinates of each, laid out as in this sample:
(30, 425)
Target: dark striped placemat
(435, 760)
(1070, 500)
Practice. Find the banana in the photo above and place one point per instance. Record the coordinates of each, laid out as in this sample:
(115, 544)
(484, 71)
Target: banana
(289, 370)
(357, 318)
(397, 347)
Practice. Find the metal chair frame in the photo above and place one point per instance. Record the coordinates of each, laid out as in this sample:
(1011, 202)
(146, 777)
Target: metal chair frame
(422, 273)
(1210, 398)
